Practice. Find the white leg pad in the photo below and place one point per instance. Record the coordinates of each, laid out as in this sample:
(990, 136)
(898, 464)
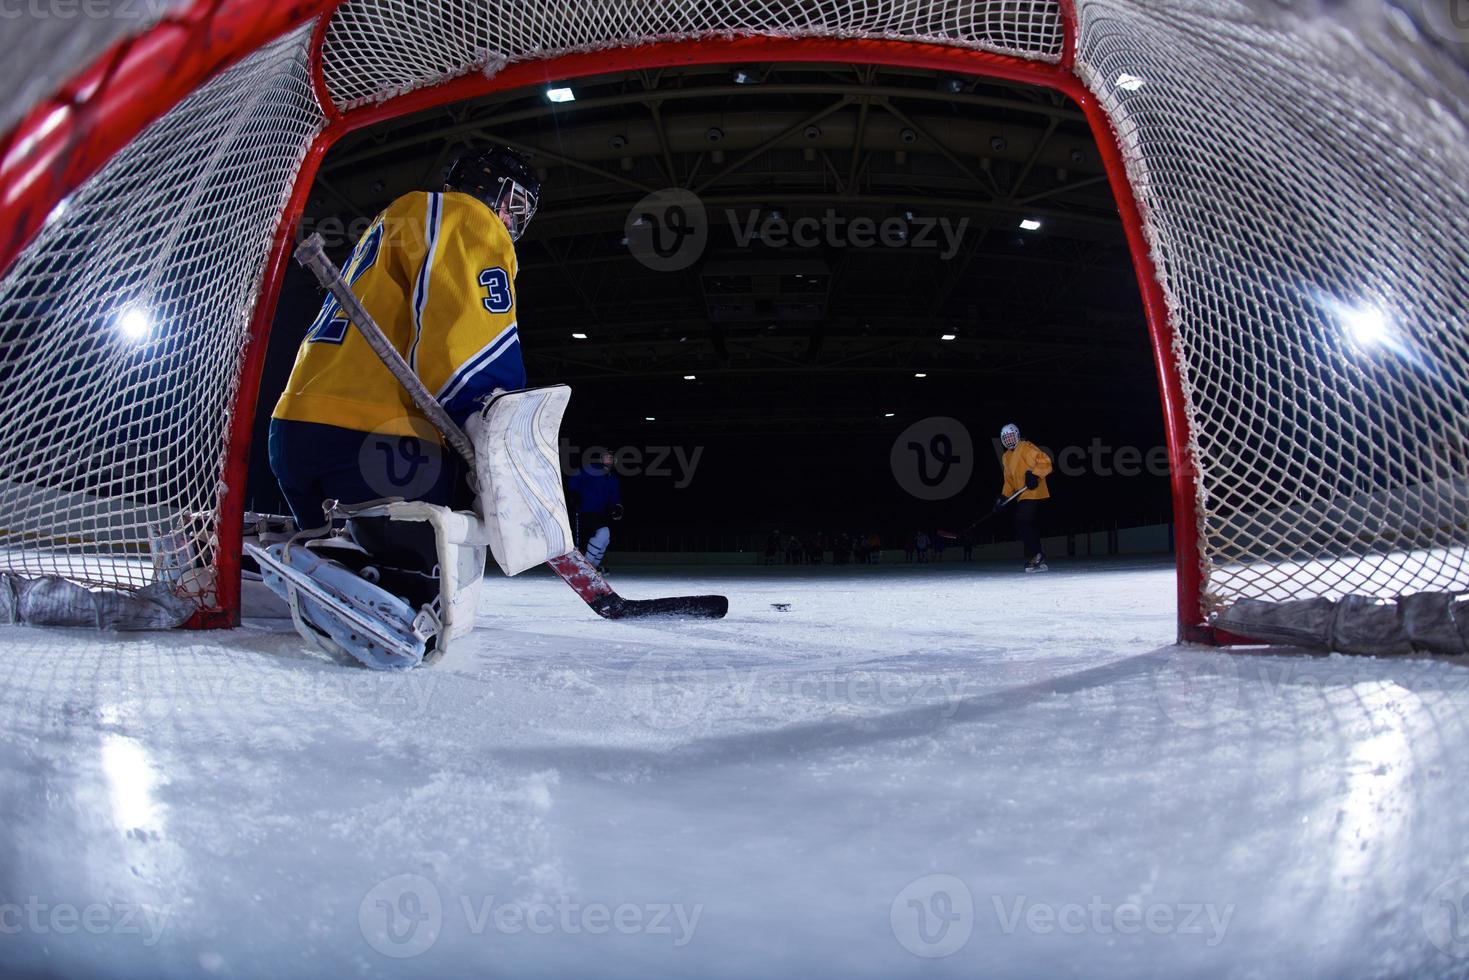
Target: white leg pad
(461, 542)
(521, 509)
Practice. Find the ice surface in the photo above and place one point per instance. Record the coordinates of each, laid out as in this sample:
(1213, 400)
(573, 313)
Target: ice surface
(1017, 771)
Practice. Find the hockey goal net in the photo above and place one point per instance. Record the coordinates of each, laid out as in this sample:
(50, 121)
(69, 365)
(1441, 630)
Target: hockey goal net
(1291, 178)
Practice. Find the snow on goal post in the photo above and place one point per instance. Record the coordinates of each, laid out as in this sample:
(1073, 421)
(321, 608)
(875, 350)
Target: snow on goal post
(1292, 185)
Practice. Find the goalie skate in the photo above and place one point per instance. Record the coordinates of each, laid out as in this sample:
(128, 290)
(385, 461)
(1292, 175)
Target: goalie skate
(344, 614)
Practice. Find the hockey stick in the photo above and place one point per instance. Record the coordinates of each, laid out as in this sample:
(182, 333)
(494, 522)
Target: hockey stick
(573, 568)
(1003, 504)
(312, 254)
(582, 576)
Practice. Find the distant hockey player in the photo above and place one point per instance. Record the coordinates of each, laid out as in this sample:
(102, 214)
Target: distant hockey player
(436, 270)
(772, 546)
(841, 549)
(1026, 468)
(596, 497)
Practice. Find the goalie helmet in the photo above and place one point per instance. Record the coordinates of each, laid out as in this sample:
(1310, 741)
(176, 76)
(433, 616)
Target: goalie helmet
(503, 179)
(1010, 436)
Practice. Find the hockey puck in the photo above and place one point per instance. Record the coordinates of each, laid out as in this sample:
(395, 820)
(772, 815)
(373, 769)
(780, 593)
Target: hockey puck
(781, 606)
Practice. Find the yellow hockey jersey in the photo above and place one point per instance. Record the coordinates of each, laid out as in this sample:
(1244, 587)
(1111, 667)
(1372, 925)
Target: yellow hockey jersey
(1026, 456)
(437, 273)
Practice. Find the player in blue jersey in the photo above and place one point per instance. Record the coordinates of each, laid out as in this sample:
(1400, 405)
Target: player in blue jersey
(596, 498)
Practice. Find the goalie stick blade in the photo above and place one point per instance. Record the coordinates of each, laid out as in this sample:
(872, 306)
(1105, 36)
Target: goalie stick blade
(680, 607)
(588, 583)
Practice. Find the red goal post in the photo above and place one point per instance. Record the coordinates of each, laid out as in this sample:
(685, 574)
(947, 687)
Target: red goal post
(1231, 541)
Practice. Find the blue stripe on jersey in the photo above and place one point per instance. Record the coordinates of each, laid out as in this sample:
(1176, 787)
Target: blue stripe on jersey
(486, 356)
(431, 222)
(504, 370)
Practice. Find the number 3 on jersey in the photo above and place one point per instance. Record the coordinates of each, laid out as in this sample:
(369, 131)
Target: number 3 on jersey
(497, 285)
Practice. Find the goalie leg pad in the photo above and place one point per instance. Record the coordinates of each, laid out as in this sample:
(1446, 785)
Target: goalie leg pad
(343, 614)
(451, 544)
(411, 545)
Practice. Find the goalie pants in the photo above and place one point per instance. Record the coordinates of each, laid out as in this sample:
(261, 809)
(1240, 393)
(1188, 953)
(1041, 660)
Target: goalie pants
(314, 462)
(1027, 525)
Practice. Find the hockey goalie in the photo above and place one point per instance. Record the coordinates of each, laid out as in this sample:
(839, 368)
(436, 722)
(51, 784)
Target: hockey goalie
(349, 446)
(405, 444)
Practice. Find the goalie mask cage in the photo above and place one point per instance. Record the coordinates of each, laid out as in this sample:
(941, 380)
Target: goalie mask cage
(1291, 179)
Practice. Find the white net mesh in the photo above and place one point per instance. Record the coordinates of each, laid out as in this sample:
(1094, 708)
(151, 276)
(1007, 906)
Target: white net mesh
(1298, 182)
(121, 328)
(380, 48)
(1302, 187)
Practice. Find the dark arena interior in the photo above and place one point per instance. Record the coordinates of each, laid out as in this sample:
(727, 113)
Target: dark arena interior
(863, 249)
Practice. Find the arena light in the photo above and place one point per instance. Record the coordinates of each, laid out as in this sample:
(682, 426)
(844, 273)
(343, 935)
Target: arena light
(889, 415)
(578, 336)
(1366, 325)
(949, 336)
(690, 377)
(920, 374)
(560, 93)
(649, 418)
(1030, 224)
(135, 323)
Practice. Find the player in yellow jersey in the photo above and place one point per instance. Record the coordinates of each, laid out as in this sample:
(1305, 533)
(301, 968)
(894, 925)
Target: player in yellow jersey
(437, 272)
(1026, 467)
